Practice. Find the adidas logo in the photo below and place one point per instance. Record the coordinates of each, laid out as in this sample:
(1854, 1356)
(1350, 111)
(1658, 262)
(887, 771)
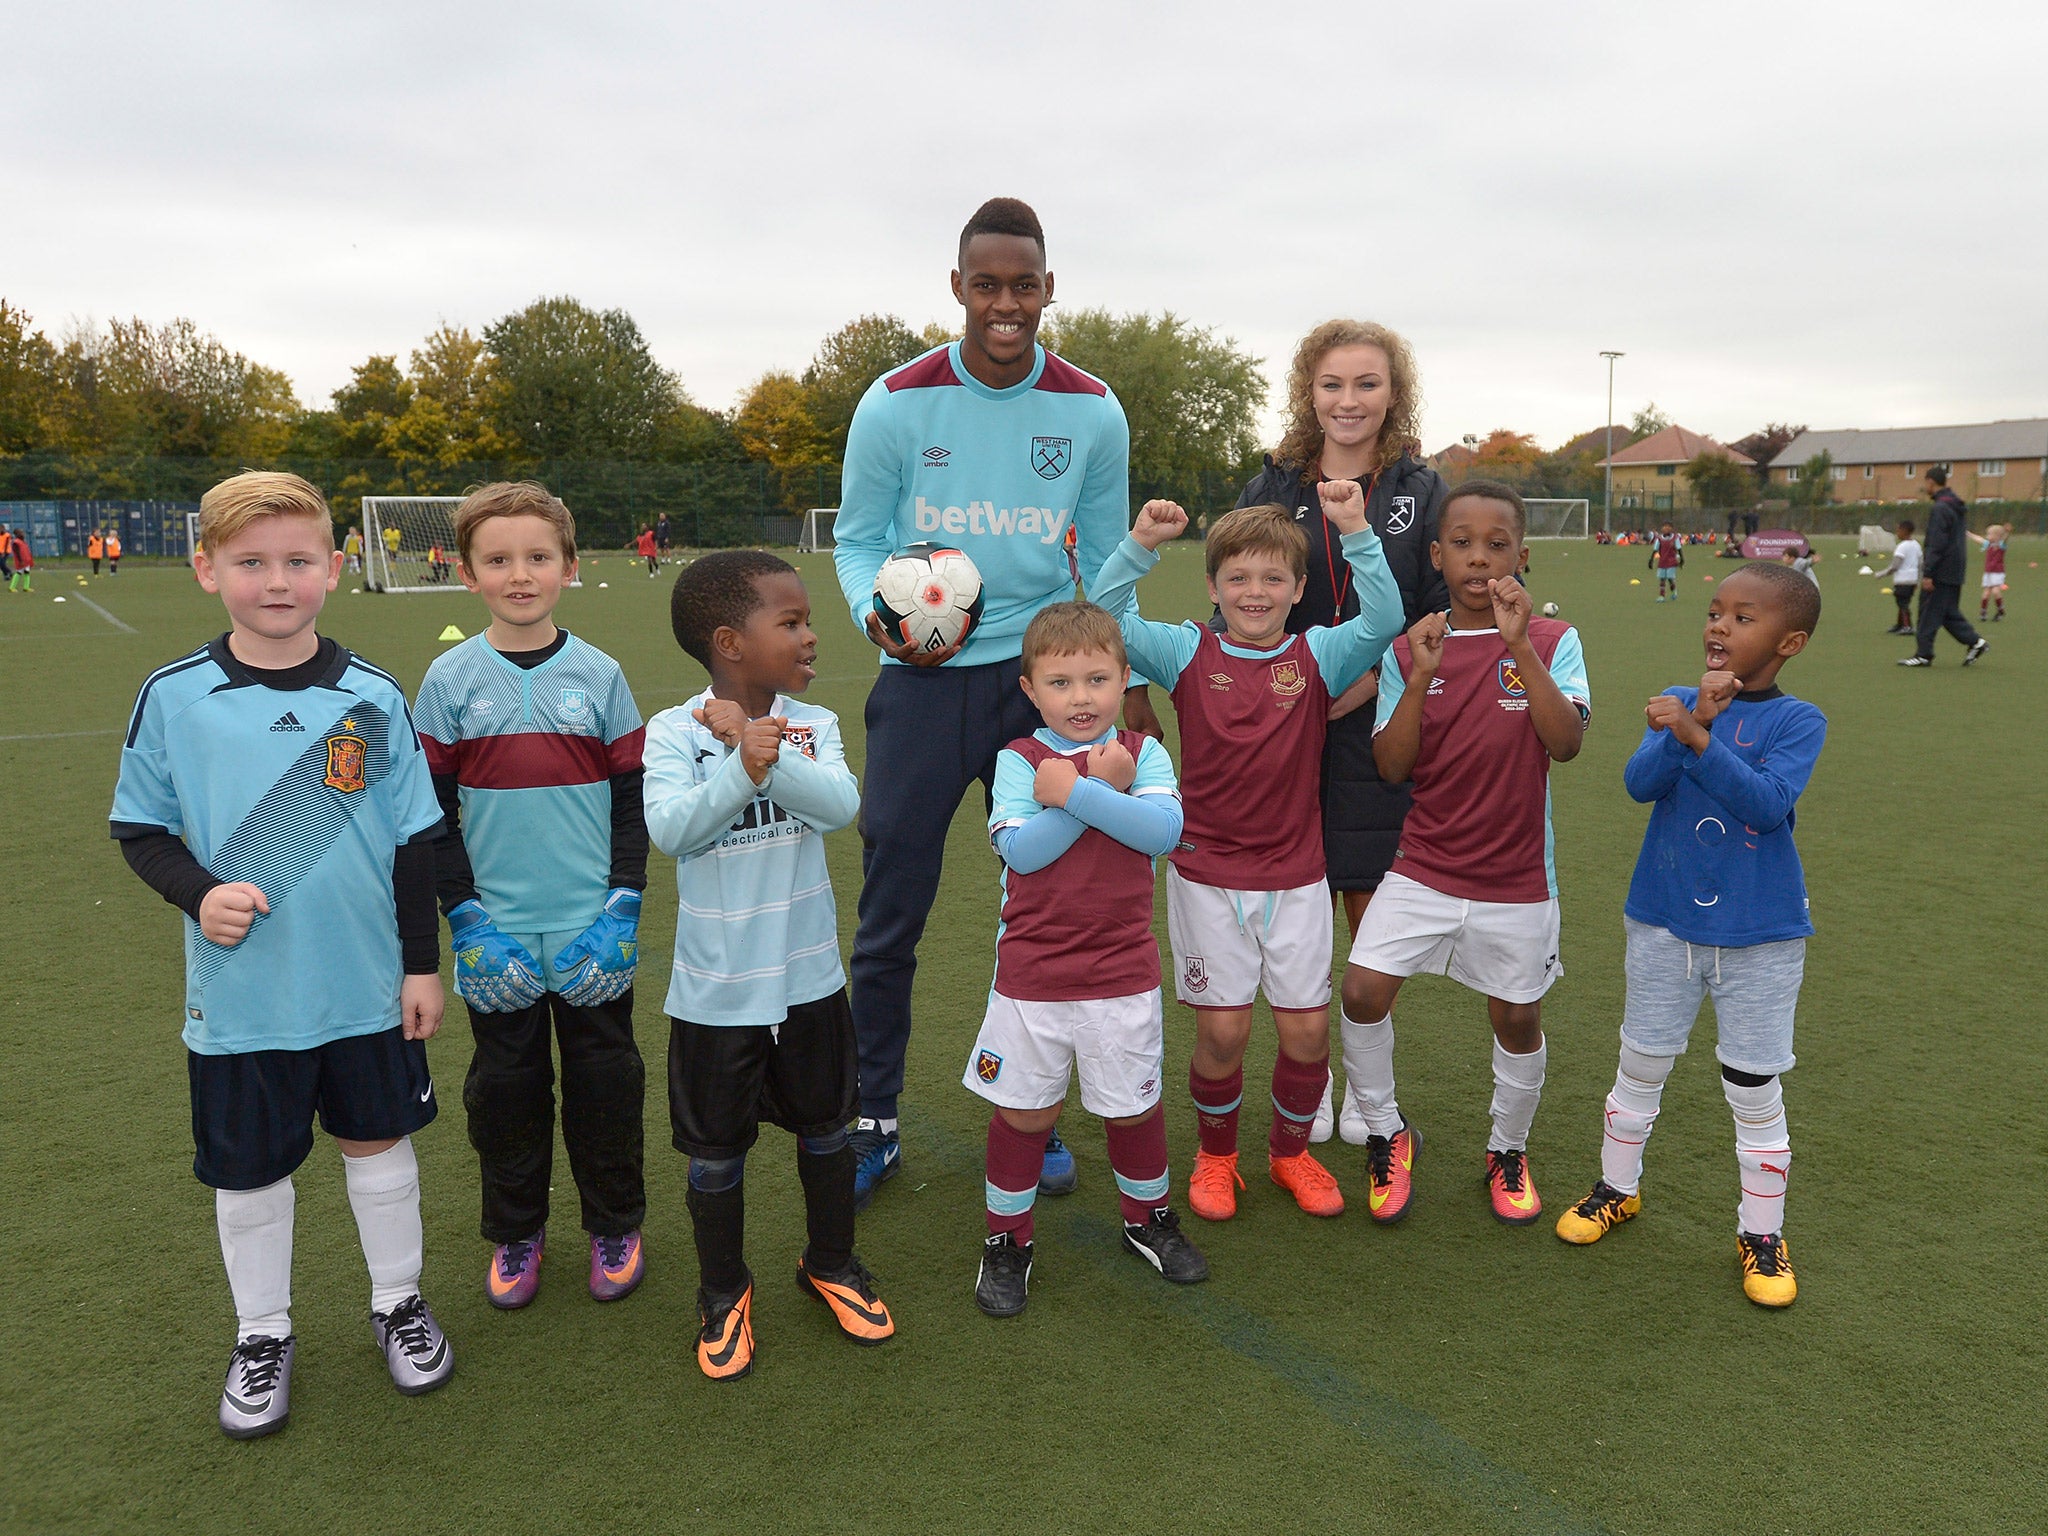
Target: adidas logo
(286, 722)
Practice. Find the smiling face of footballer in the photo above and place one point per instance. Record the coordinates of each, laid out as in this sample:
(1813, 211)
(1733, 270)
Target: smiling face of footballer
(1003, 286)
(1078, 694)
(516, 565)
(1748, 633)
(1477, 544)
(1255, 591)
(273, 577)
(775, 651)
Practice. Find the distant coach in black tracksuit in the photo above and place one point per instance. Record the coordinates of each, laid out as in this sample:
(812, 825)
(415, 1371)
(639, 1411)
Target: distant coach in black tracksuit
(1352, 399)
(1942, 571)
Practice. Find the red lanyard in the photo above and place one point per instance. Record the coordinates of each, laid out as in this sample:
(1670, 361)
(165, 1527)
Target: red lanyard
(1341, 584)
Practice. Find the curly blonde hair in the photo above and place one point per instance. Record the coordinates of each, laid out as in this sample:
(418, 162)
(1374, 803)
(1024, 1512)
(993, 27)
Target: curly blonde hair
(1301, 444)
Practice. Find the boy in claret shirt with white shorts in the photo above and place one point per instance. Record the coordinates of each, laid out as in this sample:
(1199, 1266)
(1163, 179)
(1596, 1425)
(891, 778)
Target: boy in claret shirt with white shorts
(1479, 703)
(1247, 897)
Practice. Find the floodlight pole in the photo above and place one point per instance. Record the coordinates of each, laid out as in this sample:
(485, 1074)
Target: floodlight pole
(1607, 500)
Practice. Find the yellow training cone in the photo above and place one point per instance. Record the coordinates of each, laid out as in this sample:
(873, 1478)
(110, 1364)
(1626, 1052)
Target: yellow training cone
(452, 633)
(1635, 581)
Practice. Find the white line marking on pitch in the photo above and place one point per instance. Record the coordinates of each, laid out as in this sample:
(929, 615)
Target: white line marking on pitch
(112, 730)
(126, 629)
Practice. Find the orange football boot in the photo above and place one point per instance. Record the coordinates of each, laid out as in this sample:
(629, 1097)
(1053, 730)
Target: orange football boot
(851, 1299)
(1390, 1164)
(1512, 1190)
(1213, 1187)
(1312, 1185)
(725, 1347)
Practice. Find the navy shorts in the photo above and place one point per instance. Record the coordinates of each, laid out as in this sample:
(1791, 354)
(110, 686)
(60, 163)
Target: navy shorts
(725, 1079)
(252, 1112)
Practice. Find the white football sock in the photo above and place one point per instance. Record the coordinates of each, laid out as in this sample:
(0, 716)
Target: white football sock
(1632, 1105)
(384, 1192)
(1763, 1151)
(1369, 1072)
(1517, 1087)
(256, 1245)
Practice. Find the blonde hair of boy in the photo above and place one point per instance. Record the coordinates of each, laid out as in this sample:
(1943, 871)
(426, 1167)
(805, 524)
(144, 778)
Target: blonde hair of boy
(1267, 530)
(1072, 629)
(512, 498)
(238, 501)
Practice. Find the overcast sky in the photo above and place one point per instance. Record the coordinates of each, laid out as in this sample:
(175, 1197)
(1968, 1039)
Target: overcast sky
(1835, 215)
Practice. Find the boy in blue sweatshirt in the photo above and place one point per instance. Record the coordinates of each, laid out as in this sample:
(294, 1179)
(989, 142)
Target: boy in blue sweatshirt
(1718, 908)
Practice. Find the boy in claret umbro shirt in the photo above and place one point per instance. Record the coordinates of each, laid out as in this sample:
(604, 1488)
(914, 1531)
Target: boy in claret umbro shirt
(1480, 702)
(1667, 554)
(1247, 898)
(1079, 812)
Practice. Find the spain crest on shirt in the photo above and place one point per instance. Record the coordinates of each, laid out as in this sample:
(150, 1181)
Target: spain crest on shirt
(1511, 678)
(345, 763)
(1287, 678)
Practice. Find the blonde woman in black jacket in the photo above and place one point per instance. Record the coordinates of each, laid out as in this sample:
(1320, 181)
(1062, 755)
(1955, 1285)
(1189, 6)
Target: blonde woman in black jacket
(1353, 409)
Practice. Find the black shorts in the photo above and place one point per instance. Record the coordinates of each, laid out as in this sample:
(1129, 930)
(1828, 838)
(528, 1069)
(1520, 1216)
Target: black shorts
(724, 1080)
(252, 1113)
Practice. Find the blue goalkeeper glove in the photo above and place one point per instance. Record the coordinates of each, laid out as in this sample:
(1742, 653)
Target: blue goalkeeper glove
(598, 966)
(493, 972)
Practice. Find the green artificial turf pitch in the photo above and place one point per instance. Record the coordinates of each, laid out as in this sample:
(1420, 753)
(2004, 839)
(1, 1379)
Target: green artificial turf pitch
(1448, 1374)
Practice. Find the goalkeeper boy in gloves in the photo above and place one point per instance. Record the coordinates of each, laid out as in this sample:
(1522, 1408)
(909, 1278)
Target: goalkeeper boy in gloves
(535, 743)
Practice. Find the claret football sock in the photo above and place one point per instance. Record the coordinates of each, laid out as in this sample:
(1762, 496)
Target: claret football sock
(256, 1245)
(1217, 1101)
(1517, 1086)
(1015, 1159)
(384, 1192)
(1137, 1155)
(1763, 1150)
(1297, 1090)
(1632, 1105)
(1369, 1073)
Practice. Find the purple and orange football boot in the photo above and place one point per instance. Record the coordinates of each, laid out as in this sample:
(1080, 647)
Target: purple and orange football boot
(514, 1277)
(617, 1266)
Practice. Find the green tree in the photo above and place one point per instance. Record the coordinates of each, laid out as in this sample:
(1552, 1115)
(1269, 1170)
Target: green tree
(1718, 481)
(1192, 397)
(1646, 421)
(28, 383)
(578, 383)
(774, 423)
(169, 390)
(848, 361)
(1815, 486)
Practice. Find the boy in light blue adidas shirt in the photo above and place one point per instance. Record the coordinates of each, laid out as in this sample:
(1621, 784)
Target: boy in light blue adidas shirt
(742, 783)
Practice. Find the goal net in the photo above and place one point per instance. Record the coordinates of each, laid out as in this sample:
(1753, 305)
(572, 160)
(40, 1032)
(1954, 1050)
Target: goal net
(1873, 540)
(1559, 517)
(409, 543)
(817, 530)
(191, 534)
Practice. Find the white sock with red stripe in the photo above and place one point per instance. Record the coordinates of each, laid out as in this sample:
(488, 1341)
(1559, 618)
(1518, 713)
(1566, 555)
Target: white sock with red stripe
(256, 1245)
(1763, 1151)
(1517, 1088)
(1632, 1105)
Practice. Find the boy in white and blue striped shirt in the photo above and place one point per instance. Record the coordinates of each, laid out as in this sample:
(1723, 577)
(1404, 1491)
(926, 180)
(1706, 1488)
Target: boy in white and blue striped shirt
(742, 783)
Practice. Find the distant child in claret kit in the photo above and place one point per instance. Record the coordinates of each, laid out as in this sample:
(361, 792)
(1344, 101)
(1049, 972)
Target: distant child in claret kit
(1079, 811)
(1247, 898)
(1718, 909)
(535, 744)
(1993, 539)
(272, 788)
(743, 781)
(1667, 554)
(1478, 704)
(644, 546)
(1903, 572)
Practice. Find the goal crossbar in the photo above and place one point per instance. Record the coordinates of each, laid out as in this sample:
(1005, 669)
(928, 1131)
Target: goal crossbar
(401, 535)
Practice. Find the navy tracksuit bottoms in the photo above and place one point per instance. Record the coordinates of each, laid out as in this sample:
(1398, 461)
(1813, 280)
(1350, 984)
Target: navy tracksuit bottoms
(931, 731)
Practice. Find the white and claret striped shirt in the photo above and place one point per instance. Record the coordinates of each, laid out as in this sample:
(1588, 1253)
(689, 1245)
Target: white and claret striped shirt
(757, 932)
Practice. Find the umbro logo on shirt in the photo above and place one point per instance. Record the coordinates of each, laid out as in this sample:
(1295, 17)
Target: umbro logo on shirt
(935, 458)
(286, 722)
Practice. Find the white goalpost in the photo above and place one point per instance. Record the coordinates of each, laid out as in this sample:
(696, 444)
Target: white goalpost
(816, 536)
(1559, 517)
(191, 534)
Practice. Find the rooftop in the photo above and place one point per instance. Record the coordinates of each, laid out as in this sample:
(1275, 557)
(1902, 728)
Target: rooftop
(2023, 439)
(1674, 445)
